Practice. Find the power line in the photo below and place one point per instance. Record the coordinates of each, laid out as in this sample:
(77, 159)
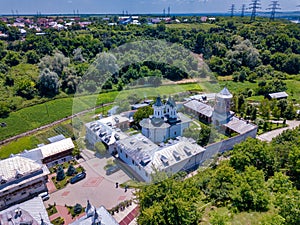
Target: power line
(274, 6)
(243, 10)
(232, 10)
(254, 6)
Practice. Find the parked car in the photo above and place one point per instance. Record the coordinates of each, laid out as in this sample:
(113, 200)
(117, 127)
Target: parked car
(78, 177)
(112, 169)
(44, 195)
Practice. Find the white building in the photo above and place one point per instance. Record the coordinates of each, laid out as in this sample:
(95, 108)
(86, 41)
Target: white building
(165, 123)
(30, 212)
(51, 154)
(145, 157)
(20, 179)
(95, 216)
(107, 130)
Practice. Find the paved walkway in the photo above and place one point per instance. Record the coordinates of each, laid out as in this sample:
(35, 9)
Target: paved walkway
(127, 216)
(50, 185)
(97, 187)
(268, 136)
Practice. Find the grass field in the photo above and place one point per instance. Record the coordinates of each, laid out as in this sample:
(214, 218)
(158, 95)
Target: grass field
(203, 26)
(30, 142)
(35, 116)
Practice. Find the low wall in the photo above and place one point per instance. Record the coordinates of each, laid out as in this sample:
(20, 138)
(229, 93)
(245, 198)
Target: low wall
(227, 144)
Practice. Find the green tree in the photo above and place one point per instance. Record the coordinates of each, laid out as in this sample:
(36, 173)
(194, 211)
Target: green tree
(48, 83)
(12, 58)
(25, 87)
(251, 192)
(60, 174)
(32, 57)
(222, 184)
(141, 114)
(55, 63)
(289, 112)
(71, 170)
(4, 109)
(253, 152)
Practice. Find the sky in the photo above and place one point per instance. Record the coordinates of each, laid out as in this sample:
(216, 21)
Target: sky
(132, 6)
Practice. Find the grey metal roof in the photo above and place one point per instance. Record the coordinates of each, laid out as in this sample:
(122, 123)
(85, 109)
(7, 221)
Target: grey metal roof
(31, 210)
(239, 125)
(154, 123)
(137, 147)
(171, 102)
(101, 215)
(56, 138)
(158, 102)
(282, 94)
(174, 155)
(200, 107)
(225, 91)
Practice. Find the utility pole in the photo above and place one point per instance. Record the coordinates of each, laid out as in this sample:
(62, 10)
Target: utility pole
(254, 5)
(232, 10)
(243, 10)
(274, 6)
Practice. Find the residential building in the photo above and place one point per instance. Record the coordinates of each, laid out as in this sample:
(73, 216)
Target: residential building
(20, 179)
(51, 154)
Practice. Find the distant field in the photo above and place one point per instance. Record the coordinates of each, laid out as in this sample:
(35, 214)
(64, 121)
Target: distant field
(35, 116)
(203, 26)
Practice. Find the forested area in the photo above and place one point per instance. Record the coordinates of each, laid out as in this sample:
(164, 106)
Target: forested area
(37, 68)
(257, 183)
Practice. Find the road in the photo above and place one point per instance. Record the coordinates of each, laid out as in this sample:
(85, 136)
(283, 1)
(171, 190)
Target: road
(268, 136)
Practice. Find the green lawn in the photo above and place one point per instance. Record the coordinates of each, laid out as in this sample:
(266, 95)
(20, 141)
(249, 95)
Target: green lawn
(30, 142)
(18, 146)
(293, 89)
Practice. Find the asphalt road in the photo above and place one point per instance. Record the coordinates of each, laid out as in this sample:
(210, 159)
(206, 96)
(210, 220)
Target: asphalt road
(268, 136)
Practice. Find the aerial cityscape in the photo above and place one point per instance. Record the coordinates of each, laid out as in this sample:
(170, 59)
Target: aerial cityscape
(150, 112)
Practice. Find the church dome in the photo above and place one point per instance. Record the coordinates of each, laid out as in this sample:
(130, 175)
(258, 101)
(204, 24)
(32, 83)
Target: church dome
(158, 102)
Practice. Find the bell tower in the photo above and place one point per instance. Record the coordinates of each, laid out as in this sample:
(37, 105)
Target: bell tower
(221, 112)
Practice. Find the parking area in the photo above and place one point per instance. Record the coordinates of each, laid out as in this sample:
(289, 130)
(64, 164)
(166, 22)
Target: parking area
(97, 187)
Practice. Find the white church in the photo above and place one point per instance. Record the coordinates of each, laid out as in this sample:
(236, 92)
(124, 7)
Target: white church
(165, 123)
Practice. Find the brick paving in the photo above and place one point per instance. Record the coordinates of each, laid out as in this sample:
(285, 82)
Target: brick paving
(50, 185)
(130, 216)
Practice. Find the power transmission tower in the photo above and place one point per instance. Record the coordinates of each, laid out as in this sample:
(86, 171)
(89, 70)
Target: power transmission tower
(232, 10)
(274, 6)
(243, 10)
(254, 5)
(164, 12)
(169, 11)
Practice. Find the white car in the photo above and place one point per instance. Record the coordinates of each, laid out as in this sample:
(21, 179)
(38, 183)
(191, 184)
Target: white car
(44, 195)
